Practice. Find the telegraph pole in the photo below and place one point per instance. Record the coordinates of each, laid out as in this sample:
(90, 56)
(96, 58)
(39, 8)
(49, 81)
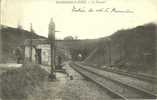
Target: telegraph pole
(51, 37)
(31, 41)
(0, 31)
(109, 49)
(31, 44)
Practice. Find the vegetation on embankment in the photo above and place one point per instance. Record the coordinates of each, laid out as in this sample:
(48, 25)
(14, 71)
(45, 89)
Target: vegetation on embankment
(131, 49)
(20, 83)
(13, 38)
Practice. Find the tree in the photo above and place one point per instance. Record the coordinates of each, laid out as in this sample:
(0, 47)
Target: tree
(19, 27)
(69, 38)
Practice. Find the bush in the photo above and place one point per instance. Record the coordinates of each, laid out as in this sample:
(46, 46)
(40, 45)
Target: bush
(17, 84)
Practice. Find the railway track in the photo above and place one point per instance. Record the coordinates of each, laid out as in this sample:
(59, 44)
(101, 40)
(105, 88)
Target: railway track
(119, 89)
(140, 81)
(149, 78)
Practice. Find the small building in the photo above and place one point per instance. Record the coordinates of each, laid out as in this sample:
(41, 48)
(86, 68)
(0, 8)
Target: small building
(38, 51)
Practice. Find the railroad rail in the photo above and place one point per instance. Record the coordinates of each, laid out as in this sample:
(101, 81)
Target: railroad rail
(149, 78)
(118, 88)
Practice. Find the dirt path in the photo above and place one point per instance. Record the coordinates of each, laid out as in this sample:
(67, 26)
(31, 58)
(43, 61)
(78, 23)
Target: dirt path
(76, 89)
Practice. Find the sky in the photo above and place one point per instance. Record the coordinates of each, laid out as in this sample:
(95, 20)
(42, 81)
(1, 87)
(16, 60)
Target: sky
(84, 25)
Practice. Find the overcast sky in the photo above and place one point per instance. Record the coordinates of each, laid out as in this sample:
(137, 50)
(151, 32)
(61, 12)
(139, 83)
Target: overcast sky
(81, 24)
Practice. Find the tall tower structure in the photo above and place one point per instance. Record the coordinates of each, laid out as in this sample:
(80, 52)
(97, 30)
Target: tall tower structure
(51, 34)
(51, 37)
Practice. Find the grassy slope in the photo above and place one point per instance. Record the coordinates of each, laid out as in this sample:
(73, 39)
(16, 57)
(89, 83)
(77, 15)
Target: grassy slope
(18, 84)
(131, 49)
(12, 38)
